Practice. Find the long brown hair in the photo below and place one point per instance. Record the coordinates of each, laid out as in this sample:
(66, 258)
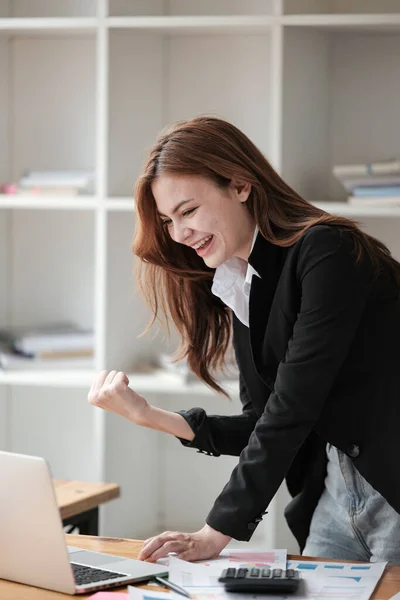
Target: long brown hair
(173, 279)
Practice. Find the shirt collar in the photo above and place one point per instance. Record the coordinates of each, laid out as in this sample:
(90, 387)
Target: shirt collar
(251, 270)
(227, 274)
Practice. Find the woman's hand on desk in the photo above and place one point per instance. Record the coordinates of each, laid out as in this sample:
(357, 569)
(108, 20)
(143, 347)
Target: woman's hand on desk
(204, 544)
(110, 390)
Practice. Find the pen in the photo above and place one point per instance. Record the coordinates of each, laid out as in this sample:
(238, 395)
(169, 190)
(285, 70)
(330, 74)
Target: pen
(172, 586)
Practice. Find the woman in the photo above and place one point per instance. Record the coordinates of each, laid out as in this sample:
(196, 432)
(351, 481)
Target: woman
(313, 304)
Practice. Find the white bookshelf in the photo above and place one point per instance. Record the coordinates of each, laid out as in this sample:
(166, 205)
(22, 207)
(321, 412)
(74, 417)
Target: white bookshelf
(89, 84)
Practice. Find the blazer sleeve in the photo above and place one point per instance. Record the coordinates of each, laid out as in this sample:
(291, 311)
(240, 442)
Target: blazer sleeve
(334, 293)
(218, 434)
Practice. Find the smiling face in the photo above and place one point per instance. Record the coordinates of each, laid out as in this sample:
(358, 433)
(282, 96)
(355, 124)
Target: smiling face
(214, 221)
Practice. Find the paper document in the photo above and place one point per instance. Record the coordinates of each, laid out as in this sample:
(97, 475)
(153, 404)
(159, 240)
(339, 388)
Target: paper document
(206, 573)
(189, 575)
(276, 559)
(139, 594)
(320, 580)
(336, 580)
(309, 590)
(338, 569)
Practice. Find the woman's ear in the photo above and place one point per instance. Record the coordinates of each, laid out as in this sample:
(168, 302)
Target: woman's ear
(242, 189)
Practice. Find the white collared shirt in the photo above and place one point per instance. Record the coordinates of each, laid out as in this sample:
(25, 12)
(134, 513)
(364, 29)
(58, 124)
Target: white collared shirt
(232, 283)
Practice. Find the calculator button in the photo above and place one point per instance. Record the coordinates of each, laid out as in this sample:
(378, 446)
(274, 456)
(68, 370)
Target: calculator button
(277, 573)
(231, 572)
(241, 573)
(266, 572)
(296, 575)
(290, 573)
(255, 573)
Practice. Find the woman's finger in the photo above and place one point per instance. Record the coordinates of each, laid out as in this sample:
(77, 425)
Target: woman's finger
(120, 376)
(98, 381)
(176, 546)
(157, 543)
(144, 545)
(110, 377)
(154, 544)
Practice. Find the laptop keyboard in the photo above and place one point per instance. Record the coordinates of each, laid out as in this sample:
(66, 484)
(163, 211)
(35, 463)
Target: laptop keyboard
(84, 575)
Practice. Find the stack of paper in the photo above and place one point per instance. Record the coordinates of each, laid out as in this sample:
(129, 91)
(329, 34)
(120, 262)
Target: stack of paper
(320, 580)
(371, 183)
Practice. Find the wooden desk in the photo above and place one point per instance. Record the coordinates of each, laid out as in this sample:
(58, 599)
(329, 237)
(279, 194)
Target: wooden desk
(79, 503)
(387, 587)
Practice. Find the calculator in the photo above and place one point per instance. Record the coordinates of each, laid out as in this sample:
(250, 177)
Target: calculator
(260, 580)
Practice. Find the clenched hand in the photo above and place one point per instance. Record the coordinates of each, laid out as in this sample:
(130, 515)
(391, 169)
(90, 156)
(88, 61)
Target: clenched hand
(110, 390)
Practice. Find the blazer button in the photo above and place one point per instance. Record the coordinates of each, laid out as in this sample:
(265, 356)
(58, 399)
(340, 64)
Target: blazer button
(353, 450)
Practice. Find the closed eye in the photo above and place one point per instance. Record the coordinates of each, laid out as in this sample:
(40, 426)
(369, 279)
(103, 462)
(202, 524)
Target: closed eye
(186, 213)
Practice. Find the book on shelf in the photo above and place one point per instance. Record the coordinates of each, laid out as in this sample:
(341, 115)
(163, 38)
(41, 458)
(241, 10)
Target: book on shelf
(65, 354)
(375, 184)
(10, 361)
(382, 167)
(61, 337)
(351, 183)
(57, 179)
(37, 191)
(14, 190)
(55, 183)
(374, 200)
(375, 191)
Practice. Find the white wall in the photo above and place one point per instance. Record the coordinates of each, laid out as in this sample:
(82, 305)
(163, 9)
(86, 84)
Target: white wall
(56, 423)
(52, 8)
(168, 78)
(4, 109)
(57, 284)
(365, 124)
(336, 106)
(228, 76)
(4, 407)
(4, 267)
(306, 112)
(340, 6)
(136, 87)
(189, 7)
(63, 70)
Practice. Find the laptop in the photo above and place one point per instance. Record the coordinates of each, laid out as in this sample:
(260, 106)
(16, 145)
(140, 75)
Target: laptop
(32, 541)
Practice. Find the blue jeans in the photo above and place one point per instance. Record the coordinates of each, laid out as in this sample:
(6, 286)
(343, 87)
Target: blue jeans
(352, 521)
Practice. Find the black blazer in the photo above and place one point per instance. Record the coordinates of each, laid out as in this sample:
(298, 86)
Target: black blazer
(319, 363)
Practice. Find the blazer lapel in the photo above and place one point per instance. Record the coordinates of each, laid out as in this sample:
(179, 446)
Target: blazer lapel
(267, 259)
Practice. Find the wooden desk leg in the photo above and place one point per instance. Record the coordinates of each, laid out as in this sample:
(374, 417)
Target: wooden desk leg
(87, 522)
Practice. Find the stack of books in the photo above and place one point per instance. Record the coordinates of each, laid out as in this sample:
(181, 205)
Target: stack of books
(371, 184)
(56, 346)
(54, 183)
